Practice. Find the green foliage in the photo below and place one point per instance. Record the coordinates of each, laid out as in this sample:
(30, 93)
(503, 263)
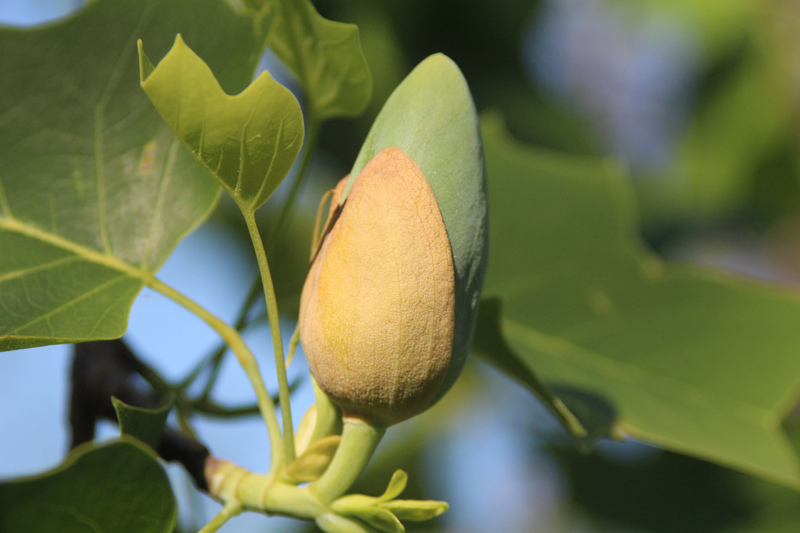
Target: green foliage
(740, 120)
(384, 513)
(145, 425)
(682, 358)
(325, 55)
(652, 493)
(247, 142)
(490, 344)
(415, 510)
(95, 191)
(431, 117)
(117, 487)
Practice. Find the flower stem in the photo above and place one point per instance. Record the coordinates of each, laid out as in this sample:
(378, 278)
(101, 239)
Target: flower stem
(275, 330)
(359, 440)
(246, 359)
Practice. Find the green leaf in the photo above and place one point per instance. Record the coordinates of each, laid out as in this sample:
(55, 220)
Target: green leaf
(396, 486)
(95, 191)
(143, 424)
(380, 519)
(415, 510)
(314, 461)
(247, 142)
(730, 135)
(325, 55)
(431, 117)
(117, 487)
(699, 363)
(490, 344)
(718, 24)
(353, 503)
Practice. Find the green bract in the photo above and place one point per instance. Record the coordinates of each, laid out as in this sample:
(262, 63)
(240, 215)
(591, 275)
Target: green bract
(432, 118)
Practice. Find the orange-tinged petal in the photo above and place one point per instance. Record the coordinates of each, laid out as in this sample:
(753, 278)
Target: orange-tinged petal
(377, 310)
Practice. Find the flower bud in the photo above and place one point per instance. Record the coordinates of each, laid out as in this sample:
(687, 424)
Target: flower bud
(378, 306)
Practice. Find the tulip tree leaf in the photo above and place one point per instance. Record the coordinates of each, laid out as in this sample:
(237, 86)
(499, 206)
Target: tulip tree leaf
(140, 423)
(117, 487)
(95, 191)
(247, 142)
(490, 343)
(431, 117)
(697, 362)
(325, 55)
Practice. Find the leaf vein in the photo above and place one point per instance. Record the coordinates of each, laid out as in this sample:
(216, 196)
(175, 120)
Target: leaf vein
(561, 348)
(166, 178)
(4, 201)
(68, 304)
(38, 268)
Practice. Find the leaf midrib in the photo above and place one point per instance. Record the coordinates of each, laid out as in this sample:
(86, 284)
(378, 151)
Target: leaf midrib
(107, 260)
(557, 347)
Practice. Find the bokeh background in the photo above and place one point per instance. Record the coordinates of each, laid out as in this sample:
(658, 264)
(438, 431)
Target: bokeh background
(697, 99)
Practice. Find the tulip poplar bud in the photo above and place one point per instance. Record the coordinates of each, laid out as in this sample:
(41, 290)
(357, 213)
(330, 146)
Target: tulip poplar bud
(378, 306)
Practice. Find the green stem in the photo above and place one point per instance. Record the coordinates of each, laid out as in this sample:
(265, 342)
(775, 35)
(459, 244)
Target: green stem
(359, 440)
(311, 145)
(183, 419)
(215, 358)
(275, 329)
(260, 492)
(229, 511)
(246, 359)
(208, 407)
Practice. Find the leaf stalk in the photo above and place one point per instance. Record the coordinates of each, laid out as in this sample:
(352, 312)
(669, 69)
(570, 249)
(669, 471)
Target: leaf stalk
(246, 359)
(275, 331)
(359, 440)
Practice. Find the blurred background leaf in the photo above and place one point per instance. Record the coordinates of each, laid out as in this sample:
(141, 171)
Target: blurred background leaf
(118, 487)
(691, 361)
(325, 55)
